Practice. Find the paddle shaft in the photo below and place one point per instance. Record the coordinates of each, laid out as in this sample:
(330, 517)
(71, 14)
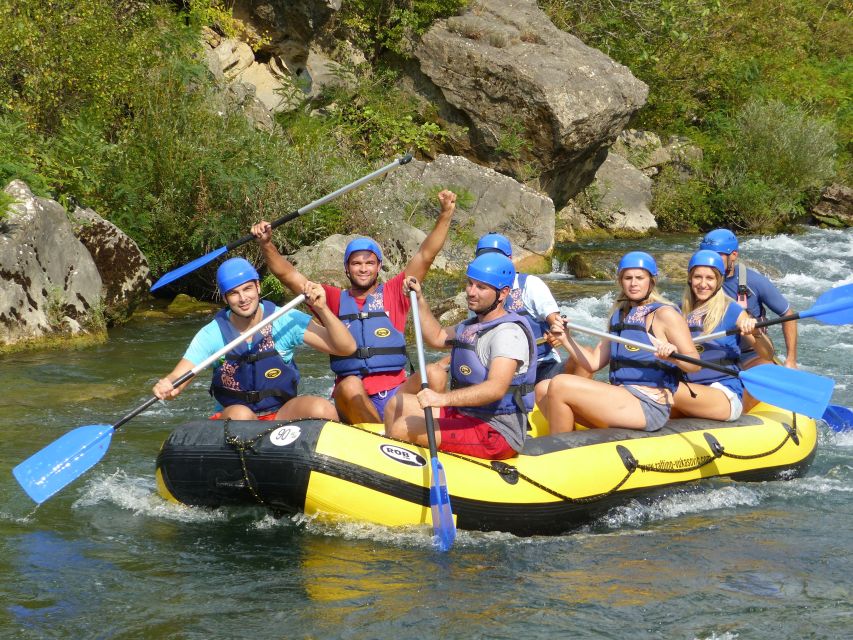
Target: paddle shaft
(647, 347)
(327, 198)
(758, 325)
(818, 310)
(213, 358)
(419, 340)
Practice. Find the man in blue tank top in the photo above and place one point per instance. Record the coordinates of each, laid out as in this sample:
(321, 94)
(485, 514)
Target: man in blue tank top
(492, 372)
(754, 292)
(259, 378)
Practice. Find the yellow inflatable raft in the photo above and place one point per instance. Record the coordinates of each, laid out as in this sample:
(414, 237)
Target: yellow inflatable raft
(557, 483)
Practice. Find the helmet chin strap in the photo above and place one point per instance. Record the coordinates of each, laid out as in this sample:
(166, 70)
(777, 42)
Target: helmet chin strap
(494, 305)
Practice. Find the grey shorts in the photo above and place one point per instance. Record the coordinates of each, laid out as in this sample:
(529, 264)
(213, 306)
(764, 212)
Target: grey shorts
(548, 369)
(656, 414)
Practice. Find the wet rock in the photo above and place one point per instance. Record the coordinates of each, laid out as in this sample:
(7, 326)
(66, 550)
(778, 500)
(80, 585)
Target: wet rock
(50, 281)
(123, 269)
(835, 208)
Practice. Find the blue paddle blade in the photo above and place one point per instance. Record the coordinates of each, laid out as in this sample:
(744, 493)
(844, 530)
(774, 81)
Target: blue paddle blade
(63, 461)
(439, 502)
(833, 307)
(180, 272)
(838, 418)
(791, 389)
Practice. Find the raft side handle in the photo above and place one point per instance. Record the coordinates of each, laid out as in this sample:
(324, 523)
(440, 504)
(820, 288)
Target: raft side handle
(628, 460)
(506, 471)
(792, 430)
(716, 448)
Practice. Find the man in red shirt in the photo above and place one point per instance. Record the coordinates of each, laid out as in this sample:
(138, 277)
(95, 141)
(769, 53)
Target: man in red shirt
(375, 314)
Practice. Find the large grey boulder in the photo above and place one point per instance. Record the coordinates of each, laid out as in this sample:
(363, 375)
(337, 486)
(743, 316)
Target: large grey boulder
(530, 95)
(486, 201)
(324, 261)
(122, 266)
(617, 201)
(50, 281)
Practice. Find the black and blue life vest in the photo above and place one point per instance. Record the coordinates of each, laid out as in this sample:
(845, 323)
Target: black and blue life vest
(632, 365)
(724, 351)
(466, 368)
(515, 304)
(256, 376)
(380, 347)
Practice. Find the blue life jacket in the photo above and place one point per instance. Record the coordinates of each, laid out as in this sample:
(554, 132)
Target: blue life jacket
(380, 347)
(514, 304)
(724, 351)
(466, 368)
(256, 376)
(634, 366)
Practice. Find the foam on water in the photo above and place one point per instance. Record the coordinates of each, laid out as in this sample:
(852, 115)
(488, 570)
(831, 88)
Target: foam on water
(139, 495)
(844, 439)
(670, 506)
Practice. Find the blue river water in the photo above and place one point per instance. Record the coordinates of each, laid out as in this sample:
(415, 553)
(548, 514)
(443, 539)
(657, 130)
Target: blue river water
(108, 558)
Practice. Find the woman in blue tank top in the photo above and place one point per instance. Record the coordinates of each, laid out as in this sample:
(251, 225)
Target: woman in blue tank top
(642, 383)
(707, 393)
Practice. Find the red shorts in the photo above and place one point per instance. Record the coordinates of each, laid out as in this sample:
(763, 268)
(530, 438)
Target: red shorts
(266, 416)
(461, 433)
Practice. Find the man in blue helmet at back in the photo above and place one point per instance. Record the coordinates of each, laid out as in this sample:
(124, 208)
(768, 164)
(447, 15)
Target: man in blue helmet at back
(259, 378)
(492, 372)
(753, 291)
(375, 313)
(530, 297)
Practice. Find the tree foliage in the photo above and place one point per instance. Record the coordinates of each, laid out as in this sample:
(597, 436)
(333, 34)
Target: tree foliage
(763, 86)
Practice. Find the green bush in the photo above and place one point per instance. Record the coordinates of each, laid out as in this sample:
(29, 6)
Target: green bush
(147, 141)
(773, 160)
(60, 57)
(379, 25)
(681, 203)
(378, 119)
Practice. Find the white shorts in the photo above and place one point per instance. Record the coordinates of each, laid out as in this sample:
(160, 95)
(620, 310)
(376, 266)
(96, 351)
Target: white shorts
(734, 401)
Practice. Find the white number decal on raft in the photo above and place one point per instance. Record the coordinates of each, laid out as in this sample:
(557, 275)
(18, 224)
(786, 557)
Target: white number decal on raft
(283, 436)
(405, 456)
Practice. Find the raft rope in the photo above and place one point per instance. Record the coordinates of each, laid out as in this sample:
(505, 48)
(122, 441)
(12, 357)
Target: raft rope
(241, 446)
(511, 474)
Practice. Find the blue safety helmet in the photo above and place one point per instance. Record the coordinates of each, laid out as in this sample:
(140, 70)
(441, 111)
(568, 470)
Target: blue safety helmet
(638, 260)
(362, 244)
(495, 269)
(234, 272)
(719, 240)
(493, 243)
(707, 258)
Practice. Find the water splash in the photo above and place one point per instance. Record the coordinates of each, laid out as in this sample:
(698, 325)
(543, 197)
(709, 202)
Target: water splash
(138, 494)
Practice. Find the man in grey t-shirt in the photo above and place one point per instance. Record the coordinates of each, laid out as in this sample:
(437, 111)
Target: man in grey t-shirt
(492, 371)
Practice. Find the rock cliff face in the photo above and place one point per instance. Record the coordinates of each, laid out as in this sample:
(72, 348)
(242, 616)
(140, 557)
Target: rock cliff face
(530, 95)
(50, 282)
(487, 201)
(61, 277)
